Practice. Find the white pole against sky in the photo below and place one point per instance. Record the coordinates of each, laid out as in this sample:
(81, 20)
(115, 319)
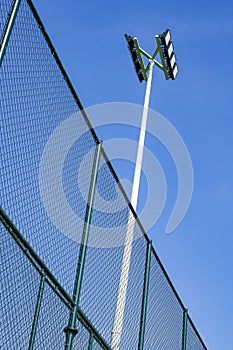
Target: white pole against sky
(125, 266)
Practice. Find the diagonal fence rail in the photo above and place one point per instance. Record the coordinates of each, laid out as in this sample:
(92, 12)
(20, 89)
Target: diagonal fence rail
(38, 306)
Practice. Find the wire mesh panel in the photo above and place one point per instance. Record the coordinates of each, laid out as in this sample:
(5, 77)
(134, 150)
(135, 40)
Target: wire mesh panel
(96, 346)
(164, 320)
(19, 287)
(5, 7)
(81, 341)
(193, 339)
(47, 155)
(132, 314)
(104, 254)
(52, 320)
(34, 137)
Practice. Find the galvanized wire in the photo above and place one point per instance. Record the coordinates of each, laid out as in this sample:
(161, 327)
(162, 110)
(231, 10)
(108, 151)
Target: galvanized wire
(19, 285)
(193, 338)
(164, 322)
(37, 99)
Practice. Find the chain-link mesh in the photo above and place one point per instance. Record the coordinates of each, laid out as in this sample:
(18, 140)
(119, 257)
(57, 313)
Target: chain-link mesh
(193, 339)
(51, 323)
(164, 315)
(36, 101)
(5, 7)
(103, 265)
(81, 342)
(47, 157)
(19, 288)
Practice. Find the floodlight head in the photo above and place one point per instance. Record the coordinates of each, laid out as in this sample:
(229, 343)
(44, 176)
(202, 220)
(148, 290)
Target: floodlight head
(135, 56)
(166, 36)
(174, 72)
(168, 54)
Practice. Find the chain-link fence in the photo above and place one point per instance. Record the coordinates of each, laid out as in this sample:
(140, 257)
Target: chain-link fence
(57, 291)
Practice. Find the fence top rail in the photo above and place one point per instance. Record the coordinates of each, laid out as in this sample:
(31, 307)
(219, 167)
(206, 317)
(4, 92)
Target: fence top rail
(31, 254)
(197, 333)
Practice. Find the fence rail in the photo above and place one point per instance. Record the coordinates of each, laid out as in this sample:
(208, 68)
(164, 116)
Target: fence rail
(60, 278)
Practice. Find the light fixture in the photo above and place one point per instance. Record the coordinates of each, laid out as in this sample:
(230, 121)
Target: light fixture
(169, 67)
(135, 57)
(168, 54)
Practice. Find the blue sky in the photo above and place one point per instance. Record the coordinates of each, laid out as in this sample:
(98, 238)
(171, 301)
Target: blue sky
(88, 36)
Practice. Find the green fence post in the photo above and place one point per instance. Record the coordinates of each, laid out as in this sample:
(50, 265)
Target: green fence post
(8, 28)
(71, 330)
(145, 297)
(91, 339)
(37, 312)
(184, 335)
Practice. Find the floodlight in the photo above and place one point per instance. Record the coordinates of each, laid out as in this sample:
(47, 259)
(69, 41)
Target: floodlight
(170, 49)
(175, 72)
(167, 36)
(135, 56)
(168, 54)
(173, 60)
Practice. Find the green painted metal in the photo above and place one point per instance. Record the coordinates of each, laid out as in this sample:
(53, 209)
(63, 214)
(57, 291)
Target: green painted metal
(34, 258)
(184, 335)
(8, 28)
(87, 323)
(157, 51)
(140, 58)
(145, 297)
(50, 279)
(70, 330)
(153, 59)
(37, 313)
(91, 339)
(161, 57)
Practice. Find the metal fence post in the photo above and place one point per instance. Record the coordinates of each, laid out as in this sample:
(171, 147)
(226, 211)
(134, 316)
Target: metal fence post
(184, 334)
(37, 312)
(145, 297)
(91, 339)
(71, 330)
(8, 28)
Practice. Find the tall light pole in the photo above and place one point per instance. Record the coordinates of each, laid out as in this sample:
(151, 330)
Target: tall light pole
(169, 67)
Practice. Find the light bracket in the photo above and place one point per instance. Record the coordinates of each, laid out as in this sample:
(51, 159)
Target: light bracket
(164, 49)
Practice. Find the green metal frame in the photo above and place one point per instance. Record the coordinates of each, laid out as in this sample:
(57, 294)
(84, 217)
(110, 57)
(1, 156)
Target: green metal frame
(157, 51)
(8, 28)
(71, 330)
(91, 340)
(145, 297)
(50, 279)
(184, 335)
(46, 275)
(37, 313)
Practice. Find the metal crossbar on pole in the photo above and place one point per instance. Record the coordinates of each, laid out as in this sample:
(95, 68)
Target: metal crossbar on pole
(71, 330)
(128, 244)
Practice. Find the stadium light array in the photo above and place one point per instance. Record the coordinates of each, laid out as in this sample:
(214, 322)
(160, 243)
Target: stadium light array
(169, 54)
(164, 48)
(135, 57)
(169, 67)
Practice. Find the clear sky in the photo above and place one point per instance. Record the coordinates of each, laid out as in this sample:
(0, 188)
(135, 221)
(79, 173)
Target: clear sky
(88, 36)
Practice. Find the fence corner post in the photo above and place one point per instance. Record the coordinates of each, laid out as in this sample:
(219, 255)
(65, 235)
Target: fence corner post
(70, 329)
(37, 312)
(184, 333)
(145, 296)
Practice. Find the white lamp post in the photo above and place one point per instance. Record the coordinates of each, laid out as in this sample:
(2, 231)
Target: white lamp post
(168, 65)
